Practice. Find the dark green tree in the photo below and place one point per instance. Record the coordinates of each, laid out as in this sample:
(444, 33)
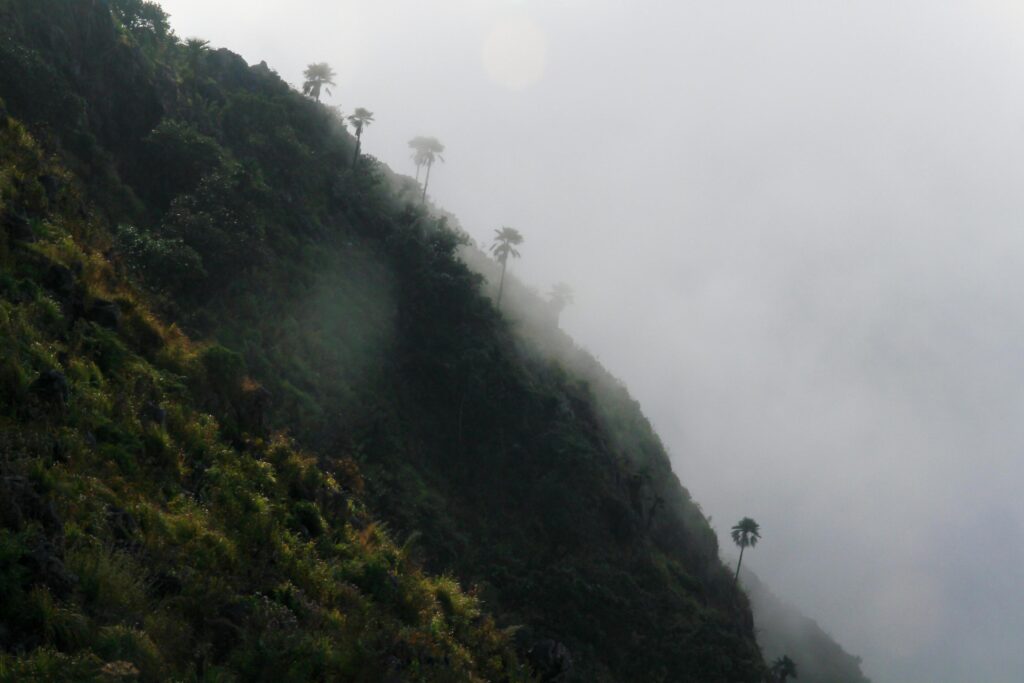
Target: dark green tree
(745, 534)
(195, 48)
(505, 242)
(425, 152)
(783, 669)
(175, 157)
(360, 119)
(141, 16)
(318, 77)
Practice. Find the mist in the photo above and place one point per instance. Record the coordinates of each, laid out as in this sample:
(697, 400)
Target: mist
(792, 230)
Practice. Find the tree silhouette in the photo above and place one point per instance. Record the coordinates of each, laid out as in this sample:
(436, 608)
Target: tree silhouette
(419, 158)
(318, 76)
(745, 534)
(782, 669)
(360, 119)
(561, 295)
(425, 152)
(141, 16)
(505, 242)
(195, 48)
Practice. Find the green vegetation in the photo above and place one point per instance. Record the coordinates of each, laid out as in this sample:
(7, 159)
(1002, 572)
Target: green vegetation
(782, 669)
(195, 49)
(745, 534)
(136, 539)
(234, 371)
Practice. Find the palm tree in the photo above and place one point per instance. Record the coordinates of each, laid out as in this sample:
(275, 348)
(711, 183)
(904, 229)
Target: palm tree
(561, 295)
(782, 669)
(419, 157)
(426, 152)
(318, 76)
(505, 242)
(195, 48)
(745, 534)
(360, 119)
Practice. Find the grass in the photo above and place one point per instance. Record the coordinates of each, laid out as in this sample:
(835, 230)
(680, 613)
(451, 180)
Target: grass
(136, 548)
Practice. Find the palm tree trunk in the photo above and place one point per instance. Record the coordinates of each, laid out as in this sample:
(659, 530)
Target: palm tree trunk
(359, 143)
(501, 283)
(426, 182)
(736, 580)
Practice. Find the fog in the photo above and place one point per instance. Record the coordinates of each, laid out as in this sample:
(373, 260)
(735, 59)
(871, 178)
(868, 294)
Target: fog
(793, 230)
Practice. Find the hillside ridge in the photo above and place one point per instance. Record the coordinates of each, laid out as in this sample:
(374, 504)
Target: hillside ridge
(249, 342)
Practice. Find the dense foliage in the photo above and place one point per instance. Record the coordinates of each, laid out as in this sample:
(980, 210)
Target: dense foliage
(136, 540)
(182, 530)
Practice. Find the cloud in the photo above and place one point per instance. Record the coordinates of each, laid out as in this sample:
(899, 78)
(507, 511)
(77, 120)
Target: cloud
(514, 53)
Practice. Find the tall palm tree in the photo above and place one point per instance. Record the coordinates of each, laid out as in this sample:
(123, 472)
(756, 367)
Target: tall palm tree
(505, 242)
(782, 669)
(318, 77)
(425, 152)
(360, 119)
(419, 157)
(745, 534)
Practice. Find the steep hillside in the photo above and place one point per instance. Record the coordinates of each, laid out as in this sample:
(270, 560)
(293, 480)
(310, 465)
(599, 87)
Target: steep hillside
(783, 630)
(135, 542)
(343, 355)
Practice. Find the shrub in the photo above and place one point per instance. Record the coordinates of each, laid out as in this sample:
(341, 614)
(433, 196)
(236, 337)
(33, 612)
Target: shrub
(166, 264)
(176, 157)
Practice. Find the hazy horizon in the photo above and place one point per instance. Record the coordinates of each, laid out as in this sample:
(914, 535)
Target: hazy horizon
(791, 231)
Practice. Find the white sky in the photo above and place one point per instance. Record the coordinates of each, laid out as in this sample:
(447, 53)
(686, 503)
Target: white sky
(794, 230)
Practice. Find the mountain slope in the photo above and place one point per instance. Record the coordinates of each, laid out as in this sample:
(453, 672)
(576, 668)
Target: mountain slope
(783, 630)
(334, 308)
(134, 540)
